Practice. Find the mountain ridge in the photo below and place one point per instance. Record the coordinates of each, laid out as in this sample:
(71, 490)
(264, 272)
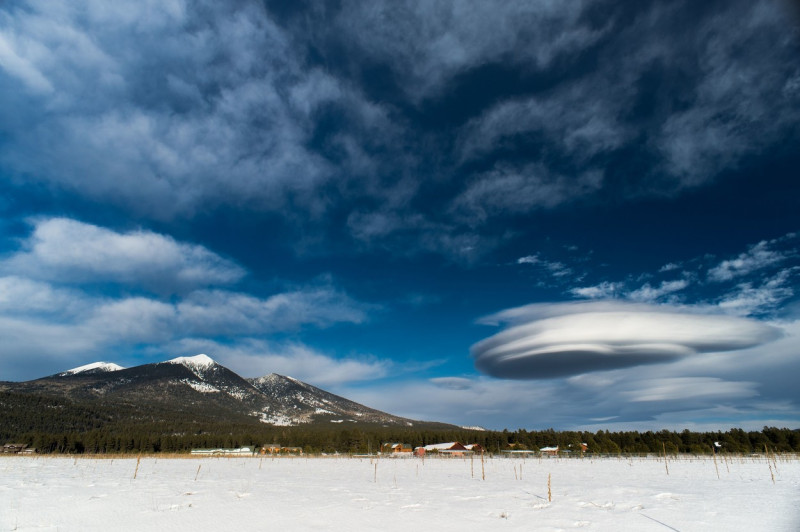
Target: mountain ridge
(198, 388)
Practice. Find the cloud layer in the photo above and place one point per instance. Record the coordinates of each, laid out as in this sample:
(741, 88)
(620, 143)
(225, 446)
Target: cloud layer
(165, 292)
(166, 110)
(66, 250)
(755, 283)
(747, 388)
(557, 150)
(575, 338)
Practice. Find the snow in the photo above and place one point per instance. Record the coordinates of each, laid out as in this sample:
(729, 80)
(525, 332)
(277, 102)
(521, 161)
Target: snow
(197, 361)
(202, 387)
(102, 366)
(237, 393)
(439, 446)
(338, 493)
(279, 420)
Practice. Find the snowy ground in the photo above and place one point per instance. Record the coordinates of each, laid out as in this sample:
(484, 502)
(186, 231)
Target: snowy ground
(44, 493)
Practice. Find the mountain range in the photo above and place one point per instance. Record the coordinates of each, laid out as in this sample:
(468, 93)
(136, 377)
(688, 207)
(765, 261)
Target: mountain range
(198, 388)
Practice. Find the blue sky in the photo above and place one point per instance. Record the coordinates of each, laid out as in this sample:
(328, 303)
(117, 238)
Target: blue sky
(513, 214)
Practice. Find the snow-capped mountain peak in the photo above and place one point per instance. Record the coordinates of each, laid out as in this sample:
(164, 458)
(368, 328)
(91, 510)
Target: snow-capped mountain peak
(198, 361)
(201, 389)
(94, 367)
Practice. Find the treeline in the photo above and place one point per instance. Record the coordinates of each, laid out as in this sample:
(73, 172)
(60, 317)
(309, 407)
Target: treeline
(602, 442)
(182, 437)
(55, 425)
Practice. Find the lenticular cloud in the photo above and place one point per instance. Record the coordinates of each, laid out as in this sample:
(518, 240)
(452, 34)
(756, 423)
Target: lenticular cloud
(556, 340)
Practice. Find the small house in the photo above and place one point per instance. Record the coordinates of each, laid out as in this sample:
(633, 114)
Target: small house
(14, 448)
(278, 449)
(395, 448)
(583, 447)
(452, 448)
(551, 451)
(292, 450)
(270, 449)
(517, 452)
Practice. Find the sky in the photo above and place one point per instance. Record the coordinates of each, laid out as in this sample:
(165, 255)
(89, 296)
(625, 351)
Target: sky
(533, 214)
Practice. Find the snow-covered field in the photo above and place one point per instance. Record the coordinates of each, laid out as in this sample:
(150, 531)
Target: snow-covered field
(59, 493)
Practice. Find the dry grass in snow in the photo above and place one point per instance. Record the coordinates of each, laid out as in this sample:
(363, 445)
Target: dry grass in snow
(66, 494)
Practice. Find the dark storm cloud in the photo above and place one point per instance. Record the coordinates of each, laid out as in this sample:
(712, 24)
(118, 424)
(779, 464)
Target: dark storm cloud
(557, 340)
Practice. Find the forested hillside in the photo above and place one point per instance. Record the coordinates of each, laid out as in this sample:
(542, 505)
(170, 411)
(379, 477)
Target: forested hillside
(56, 425)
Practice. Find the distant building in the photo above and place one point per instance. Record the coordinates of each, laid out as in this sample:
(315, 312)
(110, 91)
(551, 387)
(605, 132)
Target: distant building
(452, 448)
(549, 450)
(277, 449)
(270, 449)
(395, 448)
(292, 450)
(584, 447)
(17, 448)
(475, 447)
(517, 452)
(225, 452)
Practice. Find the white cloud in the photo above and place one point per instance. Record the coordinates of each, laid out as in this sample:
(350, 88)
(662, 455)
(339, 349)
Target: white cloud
(669, 267)
(747, 299)
(168, 108)
(739, 101)
(172, 109)
(414, 233)
(20, 67)
(649, 294)
(47, 326)
(460, 400)
(20, 296)
(206, 313)
(62, 249)
(767, 289)
(224, 312)
(756, 258)
(40, 317)
(509, 190)
(715, 126)
(553, 340)
(578, 123)
(132, 320)
(747, 388)
(604, 290)
(555, 268)
(687, 388)
(430, 43)
(24, 338)
(623, 402)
